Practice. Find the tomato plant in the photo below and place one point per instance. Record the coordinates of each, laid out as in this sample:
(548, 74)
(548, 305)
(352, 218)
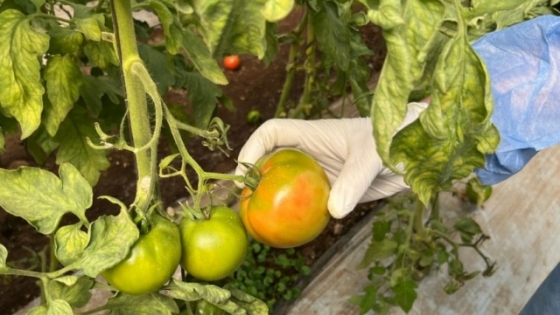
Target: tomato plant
(232, 63)
(213, 247)
(288, 206)
(156, 253)
(78, 79)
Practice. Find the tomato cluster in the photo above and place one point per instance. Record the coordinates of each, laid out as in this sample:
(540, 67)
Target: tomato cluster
(208, 249)
(287, 208)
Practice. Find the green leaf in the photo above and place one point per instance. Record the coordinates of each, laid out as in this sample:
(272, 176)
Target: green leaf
(94, 88)
(177, 37)
(64, 40)
(147, 304)
(157, 64)
(54, 307)
(172, 29)
(203, 95)
(195, 291)
(495, 15)
(25, 6)
(3, 256)
(332, 34)
(2, 141)
(88, 23)
(201, 58)
(405, 294)
(21, 91)
(367, 301)
(38, 4)
(101, 54)
(110, 239)
(74, 148)
(275, 10)
(377, 251)
(380, 229)
(271, 43)
(70, 242)
(92, 92)
(252, 305)
(232, 26)
(41, 198)
(40, 145)
(64, 80)
(476, 192)
(467, 225)
(76, 294)
(68, 280)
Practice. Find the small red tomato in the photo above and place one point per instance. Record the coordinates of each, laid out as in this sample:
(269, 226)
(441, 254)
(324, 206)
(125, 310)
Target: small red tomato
(232, 62)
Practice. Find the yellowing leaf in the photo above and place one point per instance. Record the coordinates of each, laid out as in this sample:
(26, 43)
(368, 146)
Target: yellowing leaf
(21, 91)
(235, 25)
(54, 307)
(70, 241)
(148, 304)
(77, 294)
(275, 10)
(41, 198)
(64, 80)
(88, 23)
(110, 239)
(101, 54)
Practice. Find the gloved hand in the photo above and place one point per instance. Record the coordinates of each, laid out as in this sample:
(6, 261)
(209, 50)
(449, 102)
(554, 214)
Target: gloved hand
(345, 148)
(523, 64)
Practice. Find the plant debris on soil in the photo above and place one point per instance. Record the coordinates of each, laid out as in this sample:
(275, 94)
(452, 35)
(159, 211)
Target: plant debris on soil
(253, 87)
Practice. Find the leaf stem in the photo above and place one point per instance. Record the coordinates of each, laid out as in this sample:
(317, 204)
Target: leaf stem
(418, 217)
(53, 261)
(52, 17)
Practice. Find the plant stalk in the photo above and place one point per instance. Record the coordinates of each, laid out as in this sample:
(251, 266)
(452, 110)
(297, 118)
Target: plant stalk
(310, 72)
(290, 68)
(137, 104)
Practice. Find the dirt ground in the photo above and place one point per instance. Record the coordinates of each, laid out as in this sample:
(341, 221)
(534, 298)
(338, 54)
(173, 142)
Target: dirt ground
(254, 86)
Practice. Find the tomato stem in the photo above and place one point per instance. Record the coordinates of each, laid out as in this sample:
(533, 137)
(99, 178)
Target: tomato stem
(309, 65)
(137, 104)
(291, 68)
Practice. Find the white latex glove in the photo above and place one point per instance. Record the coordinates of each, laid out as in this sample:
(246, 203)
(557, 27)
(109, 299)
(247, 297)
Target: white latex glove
(345, 148)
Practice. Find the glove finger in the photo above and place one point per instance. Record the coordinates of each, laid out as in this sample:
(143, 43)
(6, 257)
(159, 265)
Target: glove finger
(383, 187)
(353, 182)
(308, 136)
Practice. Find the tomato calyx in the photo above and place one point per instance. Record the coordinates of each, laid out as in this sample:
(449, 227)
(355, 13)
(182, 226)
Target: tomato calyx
(193, 214)
(253, 175)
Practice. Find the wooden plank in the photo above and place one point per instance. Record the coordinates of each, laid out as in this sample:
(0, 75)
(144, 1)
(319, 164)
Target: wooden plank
(522, 217)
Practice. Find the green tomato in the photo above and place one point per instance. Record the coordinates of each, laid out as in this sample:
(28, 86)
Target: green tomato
(203, 307)
(151, 262)
(214, 248)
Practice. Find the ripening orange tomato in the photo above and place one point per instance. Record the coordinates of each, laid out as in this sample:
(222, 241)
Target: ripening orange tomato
(288, 207)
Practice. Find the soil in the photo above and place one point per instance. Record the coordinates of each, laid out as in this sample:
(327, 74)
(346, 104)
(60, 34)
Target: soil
(253, 86)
